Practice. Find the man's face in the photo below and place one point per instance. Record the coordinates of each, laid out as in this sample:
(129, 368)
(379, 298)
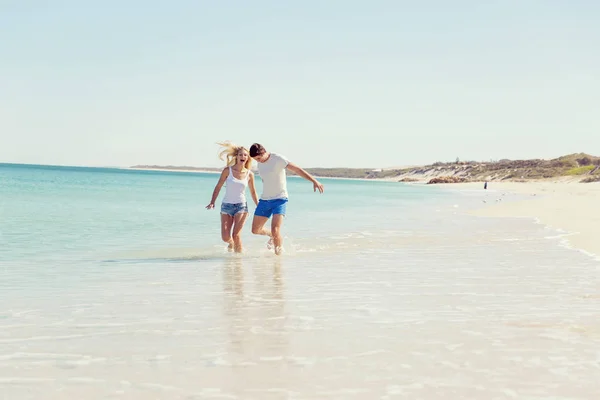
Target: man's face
(261, 158)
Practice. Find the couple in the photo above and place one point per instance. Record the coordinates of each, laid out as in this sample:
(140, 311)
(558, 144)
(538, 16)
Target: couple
(237, 175)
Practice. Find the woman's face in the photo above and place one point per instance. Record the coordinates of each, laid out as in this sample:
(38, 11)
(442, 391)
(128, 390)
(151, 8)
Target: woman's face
(242, 157)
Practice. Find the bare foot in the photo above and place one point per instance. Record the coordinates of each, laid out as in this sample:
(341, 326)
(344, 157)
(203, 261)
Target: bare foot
(230, 247)
(270, 244)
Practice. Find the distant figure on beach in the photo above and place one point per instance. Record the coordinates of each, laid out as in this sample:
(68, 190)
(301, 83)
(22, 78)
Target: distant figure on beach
(234, 208)
(485, 185)
(274, 198)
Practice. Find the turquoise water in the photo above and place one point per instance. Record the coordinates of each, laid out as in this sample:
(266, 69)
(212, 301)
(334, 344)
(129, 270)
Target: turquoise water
(115, 284)
(94, 214)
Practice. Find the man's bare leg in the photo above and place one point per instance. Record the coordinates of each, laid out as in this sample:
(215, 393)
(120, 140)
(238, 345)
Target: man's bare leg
(258, 228)
(276, 224)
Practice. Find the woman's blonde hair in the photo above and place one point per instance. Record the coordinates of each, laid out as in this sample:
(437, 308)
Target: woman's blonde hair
(230, 152)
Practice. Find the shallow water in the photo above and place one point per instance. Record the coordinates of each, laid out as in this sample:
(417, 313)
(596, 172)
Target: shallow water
(114, 285)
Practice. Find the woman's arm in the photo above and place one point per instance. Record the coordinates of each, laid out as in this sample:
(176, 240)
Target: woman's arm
(252, 188)
(218, 187)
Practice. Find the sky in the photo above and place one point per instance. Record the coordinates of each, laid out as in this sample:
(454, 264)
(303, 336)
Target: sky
(326, 83)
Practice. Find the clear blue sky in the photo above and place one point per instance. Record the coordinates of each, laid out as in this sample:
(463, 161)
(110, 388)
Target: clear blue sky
(326, 83)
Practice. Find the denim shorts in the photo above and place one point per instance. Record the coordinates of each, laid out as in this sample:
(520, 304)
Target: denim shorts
(266, 208)
(233, 209)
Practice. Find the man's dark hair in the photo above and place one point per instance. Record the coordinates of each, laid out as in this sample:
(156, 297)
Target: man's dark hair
(256, 150)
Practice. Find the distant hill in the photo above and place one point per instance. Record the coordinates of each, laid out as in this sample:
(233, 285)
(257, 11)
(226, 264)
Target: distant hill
(574, 165)
(570, 165)
(578, 164)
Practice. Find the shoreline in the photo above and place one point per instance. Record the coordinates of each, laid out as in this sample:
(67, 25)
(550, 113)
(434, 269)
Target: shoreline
(201, 171)
(564, 204)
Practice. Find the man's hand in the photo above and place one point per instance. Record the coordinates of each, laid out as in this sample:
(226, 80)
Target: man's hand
(318, 186)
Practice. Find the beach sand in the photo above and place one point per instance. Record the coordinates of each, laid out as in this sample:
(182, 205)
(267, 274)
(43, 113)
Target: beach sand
(564, 204)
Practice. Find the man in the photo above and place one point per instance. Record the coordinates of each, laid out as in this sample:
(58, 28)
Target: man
(274, 197)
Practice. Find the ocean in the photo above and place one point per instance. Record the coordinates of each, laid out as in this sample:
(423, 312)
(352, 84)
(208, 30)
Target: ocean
(115, 284)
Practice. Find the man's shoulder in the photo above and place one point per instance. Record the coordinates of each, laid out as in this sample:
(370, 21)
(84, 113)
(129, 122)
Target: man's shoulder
(280, 157)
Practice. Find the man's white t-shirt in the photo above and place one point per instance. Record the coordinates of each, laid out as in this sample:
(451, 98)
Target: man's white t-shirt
(272, 173)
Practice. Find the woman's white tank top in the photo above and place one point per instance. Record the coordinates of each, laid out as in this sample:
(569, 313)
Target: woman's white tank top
(235, 189)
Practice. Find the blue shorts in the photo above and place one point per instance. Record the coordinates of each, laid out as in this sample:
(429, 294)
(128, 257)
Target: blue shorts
(266, 208)
(233, 209)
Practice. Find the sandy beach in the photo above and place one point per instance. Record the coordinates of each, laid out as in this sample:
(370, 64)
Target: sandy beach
(564, 204)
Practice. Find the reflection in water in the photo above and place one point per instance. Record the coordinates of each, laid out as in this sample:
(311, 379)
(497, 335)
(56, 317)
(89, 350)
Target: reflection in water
(234, 303)
(254, 310)
(268, 312)
(233, 284)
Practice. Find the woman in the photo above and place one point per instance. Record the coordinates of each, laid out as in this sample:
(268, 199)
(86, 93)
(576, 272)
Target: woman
(234, 208)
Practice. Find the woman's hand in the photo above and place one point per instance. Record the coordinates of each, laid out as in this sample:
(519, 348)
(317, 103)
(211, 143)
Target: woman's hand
(210, 206)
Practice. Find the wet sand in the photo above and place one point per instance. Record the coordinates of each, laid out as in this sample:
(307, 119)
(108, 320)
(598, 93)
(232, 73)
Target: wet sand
(562, 204)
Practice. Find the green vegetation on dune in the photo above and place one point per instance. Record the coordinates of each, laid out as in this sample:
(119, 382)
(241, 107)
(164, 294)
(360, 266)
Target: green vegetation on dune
(580, 170)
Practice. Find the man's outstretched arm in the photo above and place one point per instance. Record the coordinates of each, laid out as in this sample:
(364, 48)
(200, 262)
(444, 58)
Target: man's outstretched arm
(302, 173)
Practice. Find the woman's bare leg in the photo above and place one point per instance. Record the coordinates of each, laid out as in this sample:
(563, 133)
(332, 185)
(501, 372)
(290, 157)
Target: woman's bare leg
(226, 224)
(238, 223)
